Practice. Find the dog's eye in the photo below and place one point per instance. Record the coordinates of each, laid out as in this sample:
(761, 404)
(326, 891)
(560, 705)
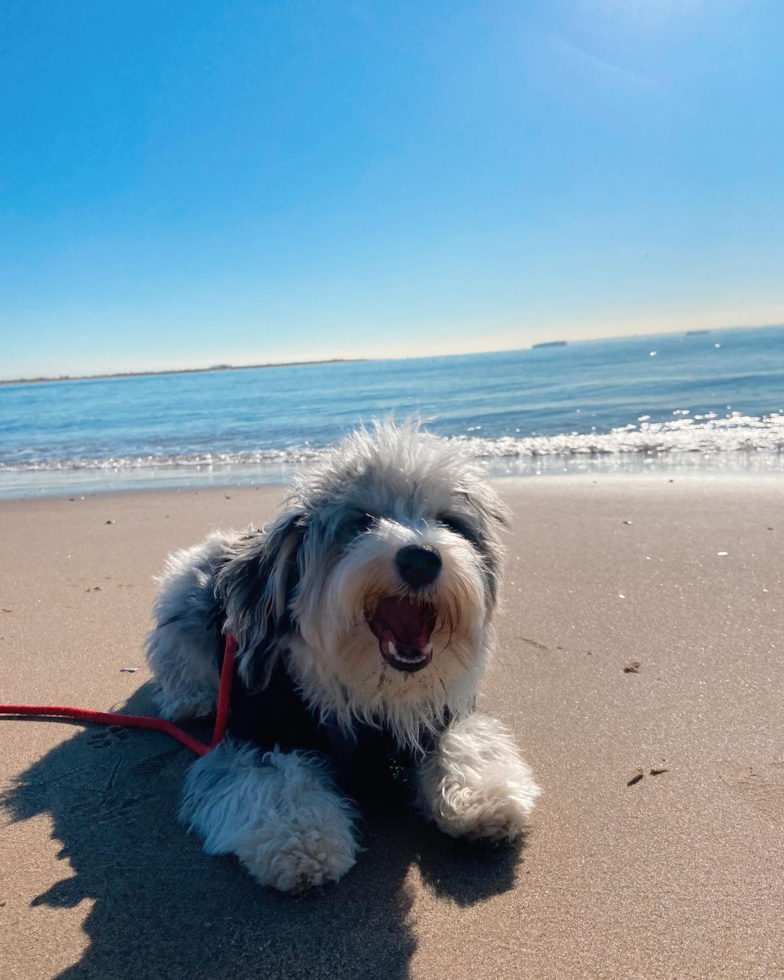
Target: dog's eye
(456, 525)
(358, 524)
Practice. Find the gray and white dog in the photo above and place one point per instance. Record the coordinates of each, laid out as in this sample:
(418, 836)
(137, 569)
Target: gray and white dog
(363, 618)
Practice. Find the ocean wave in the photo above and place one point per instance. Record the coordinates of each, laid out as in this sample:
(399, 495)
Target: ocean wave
(699, 434)
(261, 457)
(705, 434)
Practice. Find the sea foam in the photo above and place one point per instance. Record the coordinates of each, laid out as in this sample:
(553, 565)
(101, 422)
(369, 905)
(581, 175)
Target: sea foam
(697, 434)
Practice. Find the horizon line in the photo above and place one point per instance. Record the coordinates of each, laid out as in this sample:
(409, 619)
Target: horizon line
(111, 375)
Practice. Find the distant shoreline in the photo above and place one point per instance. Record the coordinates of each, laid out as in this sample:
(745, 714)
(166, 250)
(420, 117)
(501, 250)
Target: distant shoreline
(155, 374)
(364, 360)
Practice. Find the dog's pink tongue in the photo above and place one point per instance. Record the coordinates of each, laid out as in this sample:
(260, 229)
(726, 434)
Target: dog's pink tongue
(408, 624)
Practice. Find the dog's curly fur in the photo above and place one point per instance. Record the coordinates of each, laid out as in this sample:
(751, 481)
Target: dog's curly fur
(320, 661)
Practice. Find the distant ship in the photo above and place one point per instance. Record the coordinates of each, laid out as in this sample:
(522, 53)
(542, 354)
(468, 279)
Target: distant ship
(694, 333)
(550, 343)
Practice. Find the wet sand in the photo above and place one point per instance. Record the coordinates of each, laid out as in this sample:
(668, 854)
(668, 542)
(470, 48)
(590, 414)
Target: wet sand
(678, 875)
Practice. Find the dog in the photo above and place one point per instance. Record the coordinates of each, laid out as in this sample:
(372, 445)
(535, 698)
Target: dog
(363, 617)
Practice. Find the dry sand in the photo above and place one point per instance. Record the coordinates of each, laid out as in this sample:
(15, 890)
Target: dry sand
(680, 874)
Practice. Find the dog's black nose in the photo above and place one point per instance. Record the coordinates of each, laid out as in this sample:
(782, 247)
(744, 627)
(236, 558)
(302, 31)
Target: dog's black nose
(418, 564)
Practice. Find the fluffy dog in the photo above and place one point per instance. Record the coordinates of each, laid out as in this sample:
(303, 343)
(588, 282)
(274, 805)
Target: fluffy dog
(363, 618)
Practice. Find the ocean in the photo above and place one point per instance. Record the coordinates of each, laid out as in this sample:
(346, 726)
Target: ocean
(706, 401)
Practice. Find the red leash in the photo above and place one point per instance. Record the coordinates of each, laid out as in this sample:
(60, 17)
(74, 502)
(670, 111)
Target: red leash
(141, 721)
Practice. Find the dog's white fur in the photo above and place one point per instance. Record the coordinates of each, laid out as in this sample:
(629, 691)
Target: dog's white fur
(475, 784)
(180, 650)
(337, 662)
(279, 812)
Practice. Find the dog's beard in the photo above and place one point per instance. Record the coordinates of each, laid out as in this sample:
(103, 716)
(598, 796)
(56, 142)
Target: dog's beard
(374, 650)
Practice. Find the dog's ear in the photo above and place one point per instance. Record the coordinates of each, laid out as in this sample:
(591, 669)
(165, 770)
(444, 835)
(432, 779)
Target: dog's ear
(490, 515)
(483, 499)
(256, 586)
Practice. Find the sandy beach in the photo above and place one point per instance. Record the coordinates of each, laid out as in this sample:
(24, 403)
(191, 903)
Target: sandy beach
(641, 632)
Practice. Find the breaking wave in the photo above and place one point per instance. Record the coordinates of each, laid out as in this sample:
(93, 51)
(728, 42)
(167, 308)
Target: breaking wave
(703, 434)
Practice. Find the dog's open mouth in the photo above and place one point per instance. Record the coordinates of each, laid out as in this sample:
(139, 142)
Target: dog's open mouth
(404, 629)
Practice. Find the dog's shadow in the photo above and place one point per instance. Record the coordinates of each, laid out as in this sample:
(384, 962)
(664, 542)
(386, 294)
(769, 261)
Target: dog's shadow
(162, 908)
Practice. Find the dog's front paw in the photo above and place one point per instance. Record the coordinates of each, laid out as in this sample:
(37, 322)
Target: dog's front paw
(311, 860)
(295, 858)
(498, 811)
(474, 784)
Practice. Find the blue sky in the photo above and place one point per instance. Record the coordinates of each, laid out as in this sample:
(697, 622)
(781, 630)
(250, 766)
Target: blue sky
(186, 183)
